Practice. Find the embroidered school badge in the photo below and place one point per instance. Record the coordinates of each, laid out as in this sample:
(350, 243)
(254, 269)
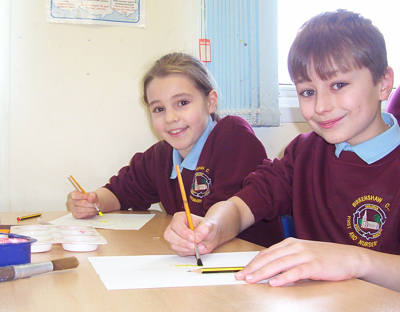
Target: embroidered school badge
(201, 185)
(368, 221)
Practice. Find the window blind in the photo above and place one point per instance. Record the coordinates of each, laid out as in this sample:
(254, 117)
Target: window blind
(244, 58)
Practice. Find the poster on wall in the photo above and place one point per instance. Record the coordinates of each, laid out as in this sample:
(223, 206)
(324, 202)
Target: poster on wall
(100, 12)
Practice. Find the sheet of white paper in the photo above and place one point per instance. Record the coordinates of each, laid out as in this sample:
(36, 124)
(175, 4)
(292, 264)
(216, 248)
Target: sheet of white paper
(108, 221)
(137, 272)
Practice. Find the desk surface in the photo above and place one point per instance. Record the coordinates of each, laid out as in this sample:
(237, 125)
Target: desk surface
(81, 289)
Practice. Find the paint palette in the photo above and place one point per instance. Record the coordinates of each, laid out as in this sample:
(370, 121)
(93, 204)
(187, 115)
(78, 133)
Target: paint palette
(72, 238)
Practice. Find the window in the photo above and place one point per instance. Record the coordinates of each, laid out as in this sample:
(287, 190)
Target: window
(243, 37)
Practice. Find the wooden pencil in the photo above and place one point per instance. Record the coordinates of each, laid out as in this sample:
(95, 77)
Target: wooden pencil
(217, 270)
(29, 216)
(187, 210)
(84, 192)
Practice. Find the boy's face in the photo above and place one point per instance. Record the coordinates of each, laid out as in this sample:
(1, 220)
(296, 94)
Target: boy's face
(346, 107)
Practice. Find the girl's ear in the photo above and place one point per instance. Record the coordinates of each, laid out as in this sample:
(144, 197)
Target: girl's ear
(212, 100)
(386, 84)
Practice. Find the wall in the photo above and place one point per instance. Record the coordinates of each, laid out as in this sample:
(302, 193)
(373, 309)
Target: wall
(73, 105)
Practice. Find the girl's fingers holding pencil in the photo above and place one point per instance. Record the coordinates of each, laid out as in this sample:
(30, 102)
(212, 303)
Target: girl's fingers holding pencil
(92, 198)
(182, 252)
(75, 195)
(183, 240)
(206, 236)
(181, 246)
(180, 237)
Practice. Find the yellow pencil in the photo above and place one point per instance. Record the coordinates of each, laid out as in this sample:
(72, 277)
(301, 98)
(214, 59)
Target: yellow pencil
(84, 192)
(187, 210)
(29, 216)
(217, 270)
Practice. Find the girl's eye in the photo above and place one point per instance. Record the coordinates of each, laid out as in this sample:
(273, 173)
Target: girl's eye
(308, 93)
(339, 85)
(158, 110)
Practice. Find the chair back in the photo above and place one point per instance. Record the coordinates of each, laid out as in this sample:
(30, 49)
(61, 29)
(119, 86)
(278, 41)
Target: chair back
(393, 105)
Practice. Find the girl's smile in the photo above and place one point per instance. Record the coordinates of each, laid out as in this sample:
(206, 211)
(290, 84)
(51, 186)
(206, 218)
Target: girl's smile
(180, 112)
(177, 132)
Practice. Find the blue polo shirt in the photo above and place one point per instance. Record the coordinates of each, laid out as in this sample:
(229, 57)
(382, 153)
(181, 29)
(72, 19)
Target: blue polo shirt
(378, 147)
(192, 158)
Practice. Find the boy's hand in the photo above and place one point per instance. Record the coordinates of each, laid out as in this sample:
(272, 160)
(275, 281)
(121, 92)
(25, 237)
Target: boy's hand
(183, 240)
(301, 259)
(81, 205)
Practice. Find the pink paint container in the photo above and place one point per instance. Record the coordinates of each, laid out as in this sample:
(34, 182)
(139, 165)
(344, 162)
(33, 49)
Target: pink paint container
(15, 249)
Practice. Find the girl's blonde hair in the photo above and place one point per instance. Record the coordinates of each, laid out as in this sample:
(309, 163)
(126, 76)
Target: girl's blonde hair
(180, 63)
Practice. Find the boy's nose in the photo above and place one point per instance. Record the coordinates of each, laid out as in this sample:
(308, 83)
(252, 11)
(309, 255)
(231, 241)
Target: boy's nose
(323, 103)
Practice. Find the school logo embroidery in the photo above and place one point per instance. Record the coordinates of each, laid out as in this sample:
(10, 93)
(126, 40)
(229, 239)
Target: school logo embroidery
(368, 221)
(201, 185)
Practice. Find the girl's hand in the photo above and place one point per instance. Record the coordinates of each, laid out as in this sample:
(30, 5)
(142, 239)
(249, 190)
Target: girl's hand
(183, 240)
(301, 259)
(81, 205)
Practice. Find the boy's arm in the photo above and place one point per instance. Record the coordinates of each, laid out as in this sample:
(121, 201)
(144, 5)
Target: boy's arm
(301, 259)
(383, 269)
(222, 222)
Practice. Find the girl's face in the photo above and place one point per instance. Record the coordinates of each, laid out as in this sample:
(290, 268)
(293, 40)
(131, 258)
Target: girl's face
(346, 107)
(179, 111)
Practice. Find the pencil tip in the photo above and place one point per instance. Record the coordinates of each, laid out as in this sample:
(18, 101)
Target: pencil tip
(199, 262)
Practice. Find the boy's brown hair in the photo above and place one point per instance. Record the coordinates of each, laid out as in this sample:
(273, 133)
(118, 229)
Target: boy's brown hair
(337, 41)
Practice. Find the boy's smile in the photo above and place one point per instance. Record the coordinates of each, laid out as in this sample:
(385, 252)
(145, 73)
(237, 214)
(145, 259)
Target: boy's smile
(346, 107)
(179, 111)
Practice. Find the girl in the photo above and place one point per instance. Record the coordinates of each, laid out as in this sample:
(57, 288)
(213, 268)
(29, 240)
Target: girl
(214, 155)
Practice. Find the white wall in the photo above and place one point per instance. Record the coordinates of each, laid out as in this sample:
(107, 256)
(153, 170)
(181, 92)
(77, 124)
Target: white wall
(5, 18)
(74, 100)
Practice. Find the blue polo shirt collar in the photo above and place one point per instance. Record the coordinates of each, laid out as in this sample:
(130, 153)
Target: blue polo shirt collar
(378, 147)
(191, 160)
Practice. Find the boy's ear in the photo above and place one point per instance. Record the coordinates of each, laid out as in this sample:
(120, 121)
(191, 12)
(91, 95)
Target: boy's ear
(386, 84)
(212, 100)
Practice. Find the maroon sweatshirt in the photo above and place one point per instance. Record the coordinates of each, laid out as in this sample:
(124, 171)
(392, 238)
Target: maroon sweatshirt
(342, 200)
(230, 153)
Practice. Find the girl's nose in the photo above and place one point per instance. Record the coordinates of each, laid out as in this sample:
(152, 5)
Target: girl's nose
(171, 116)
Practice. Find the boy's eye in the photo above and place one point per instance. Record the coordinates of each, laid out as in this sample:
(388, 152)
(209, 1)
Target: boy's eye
(308, 93)
(183, 103)
(339, 85)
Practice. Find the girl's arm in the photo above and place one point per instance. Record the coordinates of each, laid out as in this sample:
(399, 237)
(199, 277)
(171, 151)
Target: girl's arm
(222, 222)
(82, 205)
(107, 200)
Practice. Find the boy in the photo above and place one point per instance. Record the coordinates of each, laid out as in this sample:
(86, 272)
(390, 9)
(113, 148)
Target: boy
(340, 182)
